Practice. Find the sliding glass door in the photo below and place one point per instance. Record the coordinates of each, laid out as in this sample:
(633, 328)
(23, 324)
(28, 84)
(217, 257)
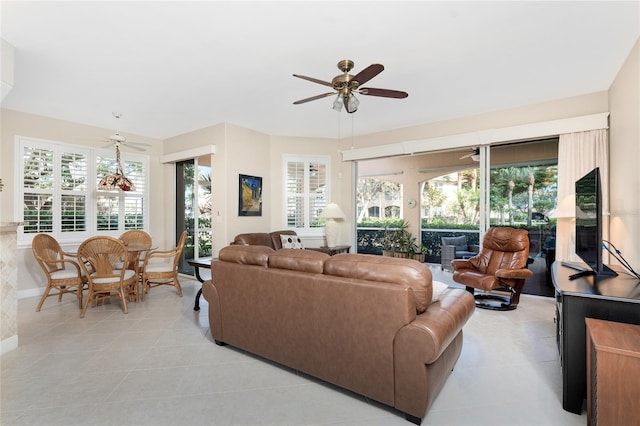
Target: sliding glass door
(193, 209)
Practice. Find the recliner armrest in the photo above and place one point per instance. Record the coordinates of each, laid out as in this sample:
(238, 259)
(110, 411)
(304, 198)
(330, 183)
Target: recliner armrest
(522, 274)
(462, 264)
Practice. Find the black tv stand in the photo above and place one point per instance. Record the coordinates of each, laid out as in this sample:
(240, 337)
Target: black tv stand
(585, 271)
(612, 298)
(581, 274)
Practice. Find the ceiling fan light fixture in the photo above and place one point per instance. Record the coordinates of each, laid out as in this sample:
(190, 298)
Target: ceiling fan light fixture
(475, 157)
(116, 180)
(337, 104)
(352, 103)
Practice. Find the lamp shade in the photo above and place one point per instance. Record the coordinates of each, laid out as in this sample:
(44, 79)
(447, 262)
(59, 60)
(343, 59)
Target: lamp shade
(337, 104)
(332, 211)
(566, 208)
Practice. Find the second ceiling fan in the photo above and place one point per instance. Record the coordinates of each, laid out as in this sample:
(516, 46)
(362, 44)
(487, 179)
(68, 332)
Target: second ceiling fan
(347, 85)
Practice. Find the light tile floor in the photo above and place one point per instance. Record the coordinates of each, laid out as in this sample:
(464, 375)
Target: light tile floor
(157, 365)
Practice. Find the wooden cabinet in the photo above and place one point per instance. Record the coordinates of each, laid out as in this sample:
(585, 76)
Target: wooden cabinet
(613, 299)
(613, 373)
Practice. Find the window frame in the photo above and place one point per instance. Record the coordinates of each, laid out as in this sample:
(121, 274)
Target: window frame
(91, 193)
(325, 160)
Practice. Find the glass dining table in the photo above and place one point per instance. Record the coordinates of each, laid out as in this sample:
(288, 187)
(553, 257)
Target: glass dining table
(134, 262)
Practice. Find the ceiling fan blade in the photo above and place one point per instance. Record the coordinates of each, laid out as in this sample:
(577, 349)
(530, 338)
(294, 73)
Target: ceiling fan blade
(137, 143)
(137, 148)
(471, 154)
(314, 80)
(368, 73)
(385, 93)
(313, 98)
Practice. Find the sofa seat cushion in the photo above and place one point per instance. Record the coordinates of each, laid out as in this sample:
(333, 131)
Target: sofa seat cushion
(298, 260)
(385, 269)
(248, 255)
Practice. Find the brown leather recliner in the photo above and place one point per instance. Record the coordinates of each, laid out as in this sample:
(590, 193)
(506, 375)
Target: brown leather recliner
(500, 265)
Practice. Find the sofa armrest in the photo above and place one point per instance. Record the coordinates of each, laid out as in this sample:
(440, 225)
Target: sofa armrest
(432, 331)
(210, 294)
(435, 338)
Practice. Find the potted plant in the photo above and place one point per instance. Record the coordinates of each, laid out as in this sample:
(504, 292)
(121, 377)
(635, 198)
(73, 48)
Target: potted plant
(399, 242)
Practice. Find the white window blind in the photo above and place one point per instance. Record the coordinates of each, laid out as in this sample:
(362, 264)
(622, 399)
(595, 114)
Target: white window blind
(307, 192)
(58, 191)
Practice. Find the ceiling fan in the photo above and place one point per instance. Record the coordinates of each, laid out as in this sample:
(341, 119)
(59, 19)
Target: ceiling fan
(347, 85)
(119, 140)
(118, 180)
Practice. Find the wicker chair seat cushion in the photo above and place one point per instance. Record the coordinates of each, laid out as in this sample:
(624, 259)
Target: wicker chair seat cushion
(159, 267)
(128, 274)
(64, 274)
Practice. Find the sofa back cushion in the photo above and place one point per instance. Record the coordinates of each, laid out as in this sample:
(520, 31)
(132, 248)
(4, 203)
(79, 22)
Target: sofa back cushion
(298, 260)
(247, 255)
(254, 239)
(393, 270)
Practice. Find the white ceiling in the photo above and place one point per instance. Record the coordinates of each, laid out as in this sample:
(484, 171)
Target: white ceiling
(174, 67)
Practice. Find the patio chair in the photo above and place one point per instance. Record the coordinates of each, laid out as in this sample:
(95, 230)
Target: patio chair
(455, 248)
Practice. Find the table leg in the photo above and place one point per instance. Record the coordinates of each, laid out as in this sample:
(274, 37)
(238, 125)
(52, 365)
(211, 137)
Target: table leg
(196, 306)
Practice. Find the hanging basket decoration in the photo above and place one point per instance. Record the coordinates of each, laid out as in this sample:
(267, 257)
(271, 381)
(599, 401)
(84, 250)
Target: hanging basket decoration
(116, 180)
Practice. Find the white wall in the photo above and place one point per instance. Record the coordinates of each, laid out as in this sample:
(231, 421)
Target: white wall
(624, 178)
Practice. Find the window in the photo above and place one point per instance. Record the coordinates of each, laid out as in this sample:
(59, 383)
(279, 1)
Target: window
(307, 192)
(57, 191)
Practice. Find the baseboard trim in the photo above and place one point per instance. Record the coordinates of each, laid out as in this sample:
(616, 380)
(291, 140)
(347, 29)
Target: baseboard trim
(9, 344)
(30, 292)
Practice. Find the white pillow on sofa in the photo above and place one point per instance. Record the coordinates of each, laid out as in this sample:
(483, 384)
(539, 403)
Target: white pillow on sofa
(291, 242)
(437, 288)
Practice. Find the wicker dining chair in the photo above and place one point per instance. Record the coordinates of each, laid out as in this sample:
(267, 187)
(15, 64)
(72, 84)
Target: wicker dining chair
(161, 267)
(103, 254)
(137, 238)
(63, 274)
(140, 238)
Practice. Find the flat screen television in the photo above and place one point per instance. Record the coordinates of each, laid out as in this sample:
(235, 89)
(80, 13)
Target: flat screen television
(589, 224)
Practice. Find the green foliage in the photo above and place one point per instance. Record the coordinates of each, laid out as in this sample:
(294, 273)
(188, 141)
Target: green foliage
(374, 222)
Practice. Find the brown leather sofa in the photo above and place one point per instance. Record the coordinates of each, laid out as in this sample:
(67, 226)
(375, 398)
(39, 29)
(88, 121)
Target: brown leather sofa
(362, 322)
(267, 239)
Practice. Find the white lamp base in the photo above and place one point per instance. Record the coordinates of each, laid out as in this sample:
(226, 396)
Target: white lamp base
(331, 232)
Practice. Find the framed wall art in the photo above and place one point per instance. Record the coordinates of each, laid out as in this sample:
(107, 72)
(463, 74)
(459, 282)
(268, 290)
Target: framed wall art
(249, 195)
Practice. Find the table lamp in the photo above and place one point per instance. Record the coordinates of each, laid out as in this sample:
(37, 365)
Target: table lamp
(332, 212)
(566, 209)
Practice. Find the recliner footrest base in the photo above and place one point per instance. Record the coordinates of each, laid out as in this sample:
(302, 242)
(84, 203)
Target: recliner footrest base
(488, 301)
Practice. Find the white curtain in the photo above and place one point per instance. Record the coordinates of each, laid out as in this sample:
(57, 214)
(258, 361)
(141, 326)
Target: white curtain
(579, 153)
